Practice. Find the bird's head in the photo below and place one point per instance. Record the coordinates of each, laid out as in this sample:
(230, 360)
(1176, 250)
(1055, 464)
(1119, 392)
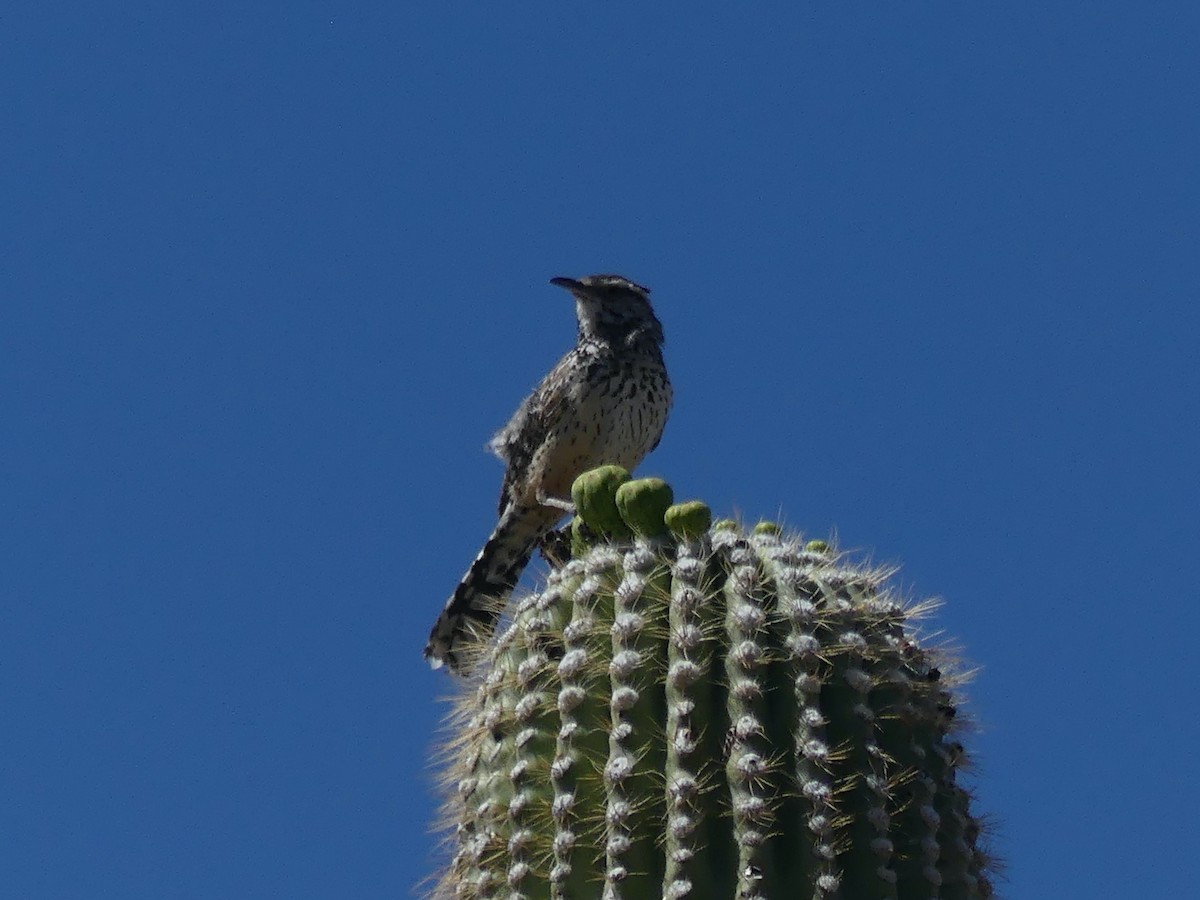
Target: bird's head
(613, 309)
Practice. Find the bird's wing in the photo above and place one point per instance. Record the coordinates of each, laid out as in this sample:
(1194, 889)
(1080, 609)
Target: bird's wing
(518, 441)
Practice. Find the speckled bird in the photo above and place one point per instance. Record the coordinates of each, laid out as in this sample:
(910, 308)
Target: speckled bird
(605, 402)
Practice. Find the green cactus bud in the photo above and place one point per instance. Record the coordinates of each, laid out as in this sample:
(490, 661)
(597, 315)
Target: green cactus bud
(582, 537)
(696, 712)
(688, 520)
(595, 496)
(643, 505)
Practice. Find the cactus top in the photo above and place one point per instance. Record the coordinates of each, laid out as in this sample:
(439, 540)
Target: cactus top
(688, 710)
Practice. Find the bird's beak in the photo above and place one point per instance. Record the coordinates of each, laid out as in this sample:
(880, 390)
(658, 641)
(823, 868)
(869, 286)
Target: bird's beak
(569, 283)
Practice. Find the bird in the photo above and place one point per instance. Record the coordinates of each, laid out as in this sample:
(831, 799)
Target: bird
(605, 402)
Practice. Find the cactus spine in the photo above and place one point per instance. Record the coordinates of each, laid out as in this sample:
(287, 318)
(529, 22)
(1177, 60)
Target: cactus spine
(689, 711)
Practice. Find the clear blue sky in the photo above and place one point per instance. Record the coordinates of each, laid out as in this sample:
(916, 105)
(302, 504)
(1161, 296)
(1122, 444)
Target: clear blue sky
(271, 274)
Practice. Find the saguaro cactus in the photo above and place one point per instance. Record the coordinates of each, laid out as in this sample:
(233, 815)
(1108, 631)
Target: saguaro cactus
(687, 710)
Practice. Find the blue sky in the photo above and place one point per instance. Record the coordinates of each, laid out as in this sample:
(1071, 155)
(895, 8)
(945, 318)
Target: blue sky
(272, 274)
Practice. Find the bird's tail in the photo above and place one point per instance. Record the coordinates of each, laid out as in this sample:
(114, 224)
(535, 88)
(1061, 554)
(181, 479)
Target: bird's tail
(470, 615)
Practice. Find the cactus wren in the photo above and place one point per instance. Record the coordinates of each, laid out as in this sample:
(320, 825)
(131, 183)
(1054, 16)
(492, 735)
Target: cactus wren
(605, 402)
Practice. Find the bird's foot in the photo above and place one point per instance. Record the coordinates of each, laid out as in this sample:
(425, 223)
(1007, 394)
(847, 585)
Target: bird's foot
(556, 503)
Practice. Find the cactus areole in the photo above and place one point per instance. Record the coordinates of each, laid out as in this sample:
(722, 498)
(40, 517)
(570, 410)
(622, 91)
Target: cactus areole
(686, 710)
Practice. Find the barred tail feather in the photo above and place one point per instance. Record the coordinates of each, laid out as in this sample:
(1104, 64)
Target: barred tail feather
(470, 615)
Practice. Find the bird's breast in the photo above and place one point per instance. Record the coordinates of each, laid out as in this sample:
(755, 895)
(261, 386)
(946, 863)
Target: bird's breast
(614, 413)
(629, 406)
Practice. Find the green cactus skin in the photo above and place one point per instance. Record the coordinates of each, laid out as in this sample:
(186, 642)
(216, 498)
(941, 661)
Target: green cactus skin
(689, 711)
